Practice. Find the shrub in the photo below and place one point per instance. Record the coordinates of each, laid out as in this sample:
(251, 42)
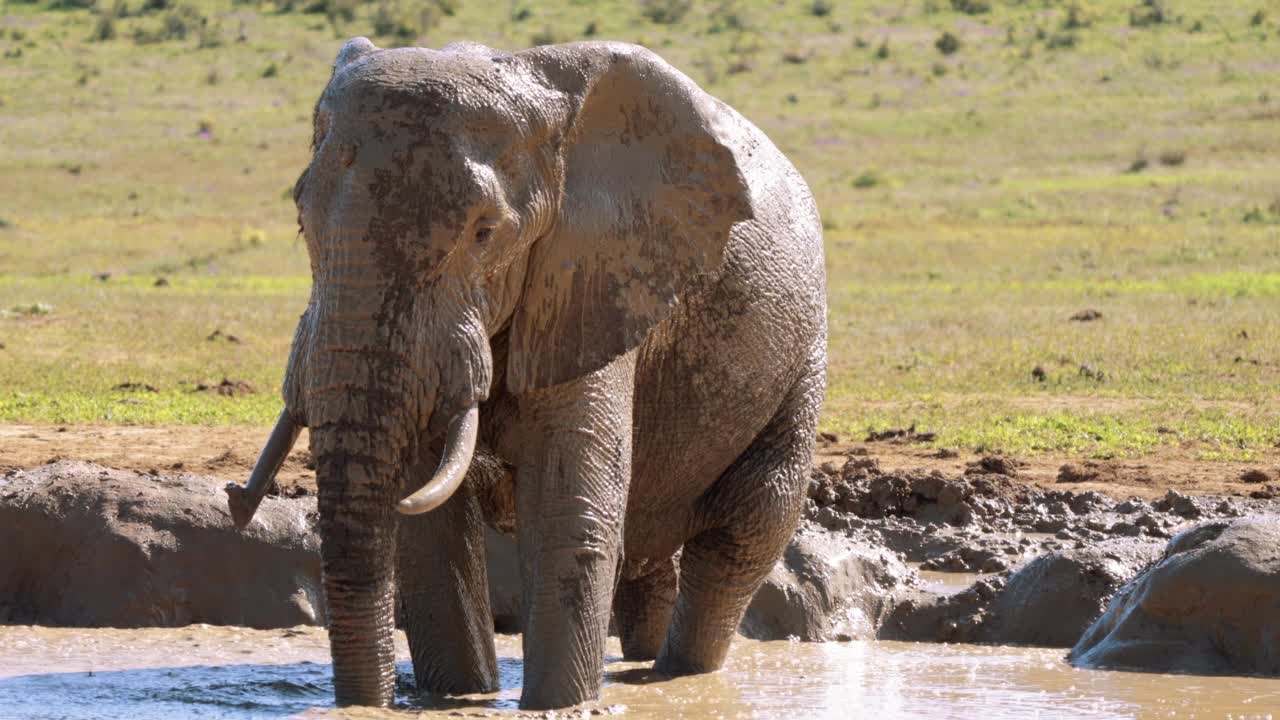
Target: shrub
(271, 71)
(1140, 163)
(947, 44)
(546, 37)
(820, 8)
(344, 10)
(727, 16)
(156, 5)
(971, 7)
(1258, 18)
(1173, 158)
(882, 52)
(1078, 16)
(210, 36)
(1061, 41)
(665, 12)
(104, 28)
(393, 21)
(180, 22)
(866, 179)
(1147, 13)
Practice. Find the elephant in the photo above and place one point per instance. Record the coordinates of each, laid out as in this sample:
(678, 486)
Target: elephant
(568, 284)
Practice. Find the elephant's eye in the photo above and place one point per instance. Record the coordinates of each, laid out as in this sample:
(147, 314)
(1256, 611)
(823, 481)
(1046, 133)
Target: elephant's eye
(483, 233)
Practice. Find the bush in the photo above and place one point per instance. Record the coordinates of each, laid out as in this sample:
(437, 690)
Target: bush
(271, 71)
(665, 12)
(1078, 16)
(971, 7)
(866, 179)
(1140, 163)
(727, 16)
(546, 37)
(104, 28)
(394, 21)
(156, 5)
(882, 52)
(179, 23)
(1173, 158)
(210, 36)
(1258, 18)
(1061, 41)
(1149, 12)
(947, 44)
(334, 10)
(820, 8)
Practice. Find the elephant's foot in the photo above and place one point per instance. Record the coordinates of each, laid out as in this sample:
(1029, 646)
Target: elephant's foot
(719, 573)
(642, 605)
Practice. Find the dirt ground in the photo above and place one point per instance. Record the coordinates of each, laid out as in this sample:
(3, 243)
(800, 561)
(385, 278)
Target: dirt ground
(229, 453)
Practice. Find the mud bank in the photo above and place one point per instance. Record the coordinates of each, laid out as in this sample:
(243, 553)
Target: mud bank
(89, 546)
(1035, 566)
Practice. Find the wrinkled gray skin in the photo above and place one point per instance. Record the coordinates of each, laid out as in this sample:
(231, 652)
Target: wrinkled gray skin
(626, 278)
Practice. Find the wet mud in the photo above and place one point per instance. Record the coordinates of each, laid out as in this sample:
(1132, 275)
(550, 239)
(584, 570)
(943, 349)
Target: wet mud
(231, 673)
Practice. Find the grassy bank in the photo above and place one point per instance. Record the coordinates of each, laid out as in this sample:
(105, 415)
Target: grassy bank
(1061, 157)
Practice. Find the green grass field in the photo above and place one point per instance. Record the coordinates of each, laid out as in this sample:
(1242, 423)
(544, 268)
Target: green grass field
(1115, 156)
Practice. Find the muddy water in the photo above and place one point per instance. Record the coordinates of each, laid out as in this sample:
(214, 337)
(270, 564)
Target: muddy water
(213, 672)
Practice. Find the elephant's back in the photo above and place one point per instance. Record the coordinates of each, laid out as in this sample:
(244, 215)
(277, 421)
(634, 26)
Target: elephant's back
(719, 369)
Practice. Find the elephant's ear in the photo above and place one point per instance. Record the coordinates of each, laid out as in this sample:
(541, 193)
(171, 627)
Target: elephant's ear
(652, 185)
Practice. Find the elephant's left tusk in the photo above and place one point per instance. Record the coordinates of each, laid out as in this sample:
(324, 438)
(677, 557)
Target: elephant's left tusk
(459, 445)
(243, 501)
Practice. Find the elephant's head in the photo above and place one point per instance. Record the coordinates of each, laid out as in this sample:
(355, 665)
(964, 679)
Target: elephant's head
(563, 195)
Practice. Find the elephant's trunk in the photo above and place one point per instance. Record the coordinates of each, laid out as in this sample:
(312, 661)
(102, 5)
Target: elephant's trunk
(357, 491)
(358, 419)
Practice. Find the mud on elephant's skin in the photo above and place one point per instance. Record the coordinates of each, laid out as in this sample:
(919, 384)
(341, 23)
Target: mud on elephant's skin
(611, 283)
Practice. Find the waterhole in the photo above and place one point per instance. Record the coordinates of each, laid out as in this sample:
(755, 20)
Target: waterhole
(218, 672)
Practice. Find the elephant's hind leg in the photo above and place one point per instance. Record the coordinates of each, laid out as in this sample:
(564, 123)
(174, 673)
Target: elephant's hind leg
(750, 514)
(642, 605)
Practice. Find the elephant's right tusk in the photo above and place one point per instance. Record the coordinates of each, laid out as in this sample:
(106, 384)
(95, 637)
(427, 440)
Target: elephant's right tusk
(459, 445)
(243, 501)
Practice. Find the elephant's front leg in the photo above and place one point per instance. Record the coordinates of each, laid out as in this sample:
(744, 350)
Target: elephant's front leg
(444, 597)
(571, 489)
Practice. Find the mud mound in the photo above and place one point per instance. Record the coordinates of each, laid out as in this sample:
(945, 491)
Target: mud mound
(994, 465)
(1209, 606)
(860, 488)
(89, 546)
(825, 587)
(228, 388)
